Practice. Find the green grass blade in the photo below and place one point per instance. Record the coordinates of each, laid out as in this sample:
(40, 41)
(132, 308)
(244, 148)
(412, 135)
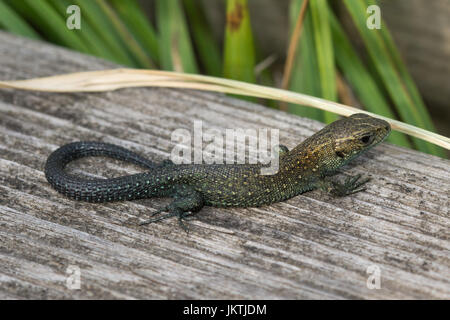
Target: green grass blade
(404, 75)
(305, 75)
(126, 37)
(11, 21)
(262, 70)
(207, 49)
(385, 64)
(92, 13)
(131, 14)
(239, 51)
(325, 53)
(45, 18)
(176, 52)
(86, 33)
(360, 79)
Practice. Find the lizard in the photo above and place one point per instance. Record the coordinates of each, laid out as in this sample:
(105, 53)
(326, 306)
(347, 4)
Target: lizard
(306, 167)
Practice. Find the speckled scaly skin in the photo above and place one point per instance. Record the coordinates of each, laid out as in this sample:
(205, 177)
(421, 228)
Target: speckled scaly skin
(237, 185)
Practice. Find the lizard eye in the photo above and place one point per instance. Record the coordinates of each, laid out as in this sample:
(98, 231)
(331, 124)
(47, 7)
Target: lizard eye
(340, 154)
(366, 139)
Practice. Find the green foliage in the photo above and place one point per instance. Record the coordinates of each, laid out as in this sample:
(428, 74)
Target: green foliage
(239, 51)
(14, 23)
(392, 73)
(178, 37)
(364, 86)
(208, 50)
(325, 53)
(305, 74)
(175, 47)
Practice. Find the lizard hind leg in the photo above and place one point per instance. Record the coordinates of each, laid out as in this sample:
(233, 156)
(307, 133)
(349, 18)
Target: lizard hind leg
(186, 201)
(352, 184)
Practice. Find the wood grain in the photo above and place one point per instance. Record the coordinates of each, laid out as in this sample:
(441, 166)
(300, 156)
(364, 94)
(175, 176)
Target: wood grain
(312, 246)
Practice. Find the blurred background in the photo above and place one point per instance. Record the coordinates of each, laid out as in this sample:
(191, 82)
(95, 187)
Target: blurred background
(318, 47)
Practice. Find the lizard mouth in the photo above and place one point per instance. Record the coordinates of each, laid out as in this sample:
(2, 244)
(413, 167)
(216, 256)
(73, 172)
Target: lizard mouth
(383, 131)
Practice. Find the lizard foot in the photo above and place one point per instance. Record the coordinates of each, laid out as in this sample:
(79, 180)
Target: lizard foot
(166, 163)
(351, 185)
(186, 202)
(176, 213)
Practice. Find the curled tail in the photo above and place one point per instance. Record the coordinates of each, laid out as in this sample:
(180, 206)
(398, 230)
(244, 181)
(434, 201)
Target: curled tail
(76, 150)
(96, 190)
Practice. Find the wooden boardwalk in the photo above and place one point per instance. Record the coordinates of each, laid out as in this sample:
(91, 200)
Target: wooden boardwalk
(312, 246)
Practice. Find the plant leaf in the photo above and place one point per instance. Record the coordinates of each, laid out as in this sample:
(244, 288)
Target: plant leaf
(208, 52)
(325, 53)
(305, 74)
(11, 21)
(50, 23)
(387, 67)
(239, 57)
(176, 52)
(360, 79)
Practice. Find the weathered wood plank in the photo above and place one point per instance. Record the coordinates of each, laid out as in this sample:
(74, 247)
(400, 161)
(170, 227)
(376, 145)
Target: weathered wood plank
(312, 246)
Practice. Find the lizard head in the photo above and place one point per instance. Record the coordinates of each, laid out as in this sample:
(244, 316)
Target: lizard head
(355, 134)
(341, 141)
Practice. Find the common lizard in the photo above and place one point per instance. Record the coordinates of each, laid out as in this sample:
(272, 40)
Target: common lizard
(192, 186)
